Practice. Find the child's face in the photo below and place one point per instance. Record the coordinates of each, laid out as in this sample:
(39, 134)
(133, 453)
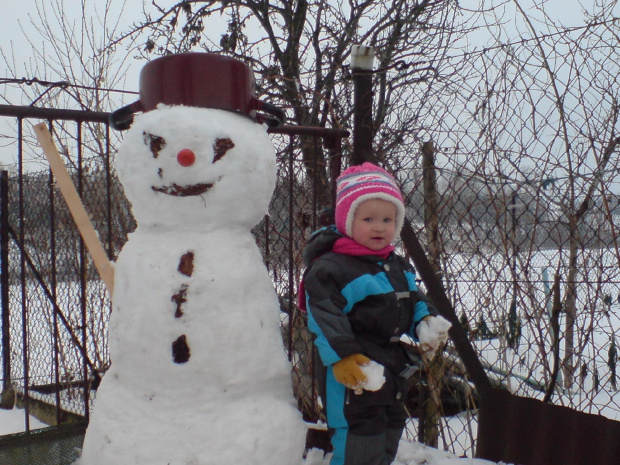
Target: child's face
(374, 223)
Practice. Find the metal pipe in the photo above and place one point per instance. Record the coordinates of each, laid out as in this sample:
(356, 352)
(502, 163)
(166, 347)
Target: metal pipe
(4, 276)
(53, 113)
(25, 353)
(53, 290)
(83, 284)
(362, 58)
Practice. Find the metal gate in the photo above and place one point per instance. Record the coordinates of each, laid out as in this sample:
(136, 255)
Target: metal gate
(55, 308)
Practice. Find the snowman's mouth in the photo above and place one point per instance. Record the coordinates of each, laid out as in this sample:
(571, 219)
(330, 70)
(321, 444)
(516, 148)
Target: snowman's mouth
(183, 191)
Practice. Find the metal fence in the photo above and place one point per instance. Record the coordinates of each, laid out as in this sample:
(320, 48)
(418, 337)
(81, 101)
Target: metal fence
(54, 308)
(57, 445)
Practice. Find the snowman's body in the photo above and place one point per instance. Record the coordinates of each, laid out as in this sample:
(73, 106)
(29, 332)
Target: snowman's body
(194, 337)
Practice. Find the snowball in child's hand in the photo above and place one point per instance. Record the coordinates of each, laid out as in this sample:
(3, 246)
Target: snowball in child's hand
(374, 377)
(433, 332)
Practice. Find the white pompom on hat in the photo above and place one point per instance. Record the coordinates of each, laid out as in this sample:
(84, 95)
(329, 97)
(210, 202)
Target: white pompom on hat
(364, 182)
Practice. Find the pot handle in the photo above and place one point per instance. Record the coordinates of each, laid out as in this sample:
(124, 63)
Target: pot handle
(277, 114)
(122, 118)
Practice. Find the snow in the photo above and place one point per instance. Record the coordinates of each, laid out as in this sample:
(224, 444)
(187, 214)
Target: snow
(409, 453)
(374, 376)
(433, 332)
(199, 374)
(12, 421)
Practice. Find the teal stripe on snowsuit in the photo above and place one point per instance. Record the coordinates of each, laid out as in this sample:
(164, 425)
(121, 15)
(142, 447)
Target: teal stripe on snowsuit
(363, 287)
(335, 416)
(328, 355)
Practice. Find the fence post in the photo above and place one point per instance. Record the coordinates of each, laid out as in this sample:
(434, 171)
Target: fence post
(7, 394)
(435, 368)
(362, 58)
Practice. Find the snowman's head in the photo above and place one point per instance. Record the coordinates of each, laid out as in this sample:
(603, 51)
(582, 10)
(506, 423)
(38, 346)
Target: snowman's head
(199, 168)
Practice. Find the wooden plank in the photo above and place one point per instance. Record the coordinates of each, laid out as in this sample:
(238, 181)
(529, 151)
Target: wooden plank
(76, 207)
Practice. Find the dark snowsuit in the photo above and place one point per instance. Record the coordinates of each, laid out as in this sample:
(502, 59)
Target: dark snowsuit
(362, 304)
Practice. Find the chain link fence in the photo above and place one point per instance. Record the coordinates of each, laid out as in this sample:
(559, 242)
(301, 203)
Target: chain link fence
(514, 189)
(54, 307)
(58, 307)
(58, 445)
(512, 183)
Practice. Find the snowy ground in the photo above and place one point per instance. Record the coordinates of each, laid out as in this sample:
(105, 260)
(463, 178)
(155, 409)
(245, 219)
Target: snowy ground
(12, 421)
(413, 453)
(410, 453)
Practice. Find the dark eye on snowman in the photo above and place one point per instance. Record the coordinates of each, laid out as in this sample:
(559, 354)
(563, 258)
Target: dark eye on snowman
(155, 143)
(220, 147)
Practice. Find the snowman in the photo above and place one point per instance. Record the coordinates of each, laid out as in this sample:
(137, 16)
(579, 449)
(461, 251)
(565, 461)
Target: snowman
(199, 375)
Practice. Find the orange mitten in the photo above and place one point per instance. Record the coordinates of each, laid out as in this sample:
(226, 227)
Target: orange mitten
(347, 371)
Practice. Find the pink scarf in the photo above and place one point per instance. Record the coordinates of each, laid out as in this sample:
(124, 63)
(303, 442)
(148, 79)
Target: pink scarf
(344, 246)
(347, 246)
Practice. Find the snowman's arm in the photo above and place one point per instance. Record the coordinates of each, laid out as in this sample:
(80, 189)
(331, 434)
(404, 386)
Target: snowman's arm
(76, 207)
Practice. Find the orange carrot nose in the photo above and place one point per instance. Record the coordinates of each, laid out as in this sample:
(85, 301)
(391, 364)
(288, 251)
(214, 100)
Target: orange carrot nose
(186, 157)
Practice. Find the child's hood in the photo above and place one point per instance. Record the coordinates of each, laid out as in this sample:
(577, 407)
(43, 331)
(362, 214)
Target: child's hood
(319, 243)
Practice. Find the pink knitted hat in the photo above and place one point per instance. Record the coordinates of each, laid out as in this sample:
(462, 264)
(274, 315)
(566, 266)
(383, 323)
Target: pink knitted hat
(359, 183)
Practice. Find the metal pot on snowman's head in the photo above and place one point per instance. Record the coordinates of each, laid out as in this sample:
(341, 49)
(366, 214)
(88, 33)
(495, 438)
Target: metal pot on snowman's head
(198, 80)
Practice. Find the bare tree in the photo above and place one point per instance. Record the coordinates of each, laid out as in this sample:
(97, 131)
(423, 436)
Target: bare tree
(300, 52)
(538, 115)
(71, 64)
(532, 118)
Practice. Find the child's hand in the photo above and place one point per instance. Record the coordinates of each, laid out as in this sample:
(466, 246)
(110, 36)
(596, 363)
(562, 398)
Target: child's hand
(347, 371)
(433, 333)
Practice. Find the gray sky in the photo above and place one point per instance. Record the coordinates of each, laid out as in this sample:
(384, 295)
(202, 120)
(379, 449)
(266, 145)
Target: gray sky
(567, 12)
(15, 22)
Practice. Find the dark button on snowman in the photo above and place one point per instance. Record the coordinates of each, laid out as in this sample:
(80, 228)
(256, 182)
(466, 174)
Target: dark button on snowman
(199, 375)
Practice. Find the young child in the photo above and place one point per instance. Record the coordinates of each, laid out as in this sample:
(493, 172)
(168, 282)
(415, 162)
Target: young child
(361, 297)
